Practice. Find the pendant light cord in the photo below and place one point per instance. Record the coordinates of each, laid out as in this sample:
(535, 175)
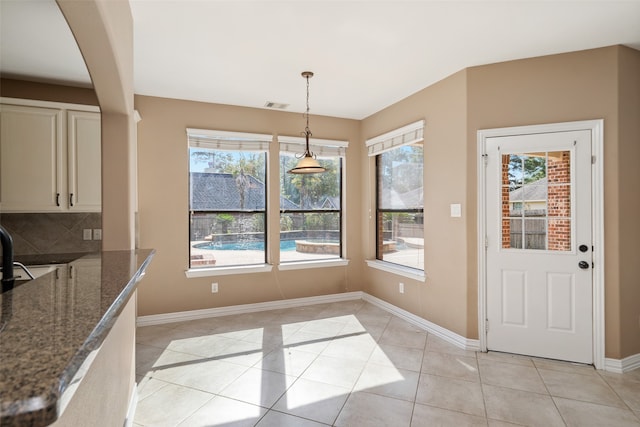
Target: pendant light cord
(307, 131)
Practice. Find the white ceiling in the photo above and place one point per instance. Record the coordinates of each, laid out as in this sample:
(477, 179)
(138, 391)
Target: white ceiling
(366, 55)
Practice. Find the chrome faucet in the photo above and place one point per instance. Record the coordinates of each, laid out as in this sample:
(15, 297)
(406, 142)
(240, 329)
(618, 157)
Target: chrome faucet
(7, 259)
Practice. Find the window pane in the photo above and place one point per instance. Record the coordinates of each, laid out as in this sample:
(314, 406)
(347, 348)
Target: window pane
(306, 236)
(310, 207)
(560, 200)
(535, 233)
(559, 167)
(400, 178)
(536, 201)
(512, 165)
(400, 218)
(225, 239)
(401, 238)
(559, 235)
(227, 203)
(511, 233)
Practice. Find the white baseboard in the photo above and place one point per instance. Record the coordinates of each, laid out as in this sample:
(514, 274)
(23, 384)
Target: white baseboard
(612, 365)
(158, 319)
(133, 404)
(443, 333)
(621, 366)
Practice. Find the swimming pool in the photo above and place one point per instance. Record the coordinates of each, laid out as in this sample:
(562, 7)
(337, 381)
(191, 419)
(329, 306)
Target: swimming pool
(285, 245)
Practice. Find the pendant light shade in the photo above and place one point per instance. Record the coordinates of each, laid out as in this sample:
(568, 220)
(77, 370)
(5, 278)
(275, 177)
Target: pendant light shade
(308, 162)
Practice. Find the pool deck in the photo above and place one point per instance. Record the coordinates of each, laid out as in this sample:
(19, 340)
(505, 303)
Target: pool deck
(413, 257)
(231, 257)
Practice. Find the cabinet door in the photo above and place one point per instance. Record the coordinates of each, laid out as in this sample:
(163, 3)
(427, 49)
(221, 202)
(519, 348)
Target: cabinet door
(31, 159)
(84, 145)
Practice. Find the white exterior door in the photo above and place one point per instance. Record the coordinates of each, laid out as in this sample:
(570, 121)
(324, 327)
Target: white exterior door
(539, 276)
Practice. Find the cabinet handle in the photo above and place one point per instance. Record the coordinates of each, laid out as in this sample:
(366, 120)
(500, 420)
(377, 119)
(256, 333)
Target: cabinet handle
(71, 199)
(57, 199)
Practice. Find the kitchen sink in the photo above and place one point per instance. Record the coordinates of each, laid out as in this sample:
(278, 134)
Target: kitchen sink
(36, 270)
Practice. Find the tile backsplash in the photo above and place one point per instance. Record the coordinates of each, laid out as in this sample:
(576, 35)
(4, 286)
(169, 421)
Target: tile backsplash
(51, 233)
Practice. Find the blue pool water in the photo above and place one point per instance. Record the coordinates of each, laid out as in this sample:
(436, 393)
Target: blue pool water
(285, 245)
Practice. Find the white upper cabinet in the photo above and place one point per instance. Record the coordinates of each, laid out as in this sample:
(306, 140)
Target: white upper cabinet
(84, 161)
(49, 159)
(30, 157)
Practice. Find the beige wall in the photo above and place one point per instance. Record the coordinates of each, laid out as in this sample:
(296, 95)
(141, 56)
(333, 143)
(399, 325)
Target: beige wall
(442, 299)
(593, 84)
(163, 167)
(559, 88)
(629, 197)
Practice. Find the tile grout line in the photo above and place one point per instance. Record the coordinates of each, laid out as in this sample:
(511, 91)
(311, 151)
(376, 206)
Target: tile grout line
(388, 327)
(415, 395)
(555, 405)
(617, 395)
(357, 379)
(484, 399)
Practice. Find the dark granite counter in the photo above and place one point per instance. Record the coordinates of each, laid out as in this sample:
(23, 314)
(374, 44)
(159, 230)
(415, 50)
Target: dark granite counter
(51, 326)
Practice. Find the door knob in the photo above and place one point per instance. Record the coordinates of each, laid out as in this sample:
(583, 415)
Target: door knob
(583, 248)
(583, 265)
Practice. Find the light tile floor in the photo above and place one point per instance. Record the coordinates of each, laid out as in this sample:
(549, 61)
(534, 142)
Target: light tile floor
(353, 364)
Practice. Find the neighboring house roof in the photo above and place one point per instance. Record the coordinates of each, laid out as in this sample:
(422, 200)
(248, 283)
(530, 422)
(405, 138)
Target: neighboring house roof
(220, 192)
(412, 199)
(536, 190)
(330, 203)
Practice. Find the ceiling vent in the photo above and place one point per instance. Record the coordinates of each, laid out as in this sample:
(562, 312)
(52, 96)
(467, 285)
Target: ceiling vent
(276, 105)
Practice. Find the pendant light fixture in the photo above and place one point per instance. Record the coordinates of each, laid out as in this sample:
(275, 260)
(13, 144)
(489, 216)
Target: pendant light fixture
(307, 163)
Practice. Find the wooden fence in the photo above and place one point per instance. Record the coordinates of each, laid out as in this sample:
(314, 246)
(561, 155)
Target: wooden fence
(535, 229)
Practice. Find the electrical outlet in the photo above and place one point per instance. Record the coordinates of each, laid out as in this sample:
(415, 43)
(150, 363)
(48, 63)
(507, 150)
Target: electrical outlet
(214, 288)
(86, 234)
(401, 287)
(97, 234)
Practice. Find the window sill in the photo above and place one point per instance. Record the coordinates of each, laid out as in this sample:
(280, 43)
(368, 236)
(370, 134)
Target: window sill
(224, 271)
(300, 265)
(411, 273)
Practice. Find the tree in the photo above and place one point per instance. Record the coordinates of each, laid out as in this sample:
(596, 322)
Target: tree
(214, 160)
(525, 169)
(401, 169)
(309, 191)
(224, 220)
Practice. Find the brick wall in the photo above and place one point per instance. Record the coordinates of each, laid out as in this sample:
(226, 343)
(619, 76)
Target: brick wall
(506, 222)
(559, 202)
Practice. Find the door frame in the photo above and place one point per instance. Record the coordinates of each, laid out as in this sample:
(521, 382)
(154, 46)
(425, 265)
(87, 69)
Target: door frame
(597, 217)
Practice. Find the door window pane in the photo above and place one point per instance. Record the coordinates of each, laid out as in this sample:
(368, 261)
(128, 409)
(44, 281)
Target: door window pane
(535, 233)
(536, 201)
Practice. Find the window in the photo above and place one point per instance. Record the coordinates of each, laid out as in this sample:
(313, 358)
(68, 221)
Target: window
(227, 198)
(536, 201)
(399, 196)
(311, 205)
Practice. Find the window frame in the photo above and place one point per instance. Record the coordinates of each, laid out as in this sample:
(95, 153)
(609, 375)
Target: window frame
(407, 135)
(323, 148)
(235, 142)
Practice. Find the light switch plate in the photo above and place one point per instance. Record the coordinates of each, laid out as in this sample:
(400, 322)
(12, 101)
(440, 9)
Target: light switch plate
(86, 234)
(456, 210)
(97, 234)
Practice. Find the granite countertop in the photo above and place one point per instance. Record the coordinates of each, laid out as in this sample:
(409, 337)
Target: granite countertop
(51, 326)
